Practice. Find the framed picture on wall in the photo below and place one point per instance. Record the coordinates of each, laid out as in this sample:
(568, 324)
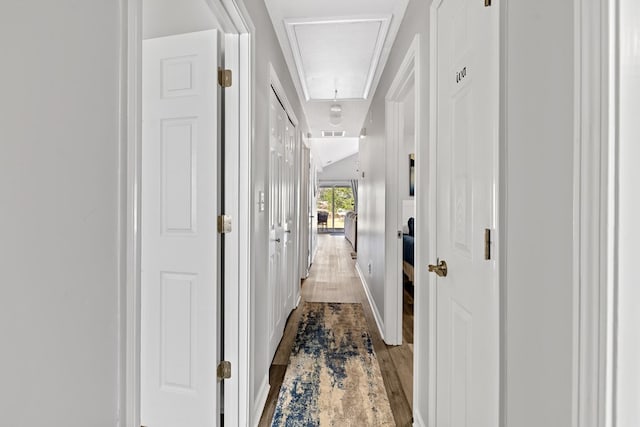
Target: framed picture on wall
(412, 174)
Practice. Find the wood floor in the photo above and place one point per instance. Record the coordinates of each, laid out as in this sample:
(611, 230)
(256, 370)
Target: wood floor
(333, 278)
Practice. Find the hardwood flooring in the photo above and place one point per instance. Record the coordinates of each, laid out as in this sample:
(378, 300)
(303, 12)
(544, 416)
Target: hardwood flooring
(333, 278)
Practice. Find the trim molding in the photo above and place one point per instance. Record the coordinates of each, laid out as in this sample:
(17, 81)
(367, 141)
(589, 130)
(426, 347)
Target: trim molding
(432, 289)
(591, 203)
(418, 421)
(372, 304)
(130, 202)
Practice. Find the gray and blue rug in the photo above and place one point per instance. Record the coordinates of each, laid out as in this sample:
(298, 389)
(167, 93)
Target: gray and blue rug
(333, 377)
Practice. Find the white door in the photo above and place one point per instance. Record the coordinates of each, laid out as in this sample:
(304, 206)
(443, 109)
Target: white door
(466, 135)
(179, 324)
(290, 231)
(277, 293)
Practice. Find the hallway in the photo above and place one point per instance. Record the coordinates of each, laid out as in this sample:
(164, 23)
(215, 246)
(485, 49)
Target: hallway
(333, 278)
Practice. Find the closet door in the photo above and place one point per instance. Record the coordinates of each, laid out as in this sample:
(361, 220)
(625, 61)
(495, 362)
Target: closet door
(277, 170)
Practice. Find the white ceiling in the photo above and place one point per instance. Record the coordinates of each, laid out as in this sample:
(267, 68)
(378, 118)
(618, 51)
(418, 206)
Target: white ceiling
(327, 151)
(336, 44)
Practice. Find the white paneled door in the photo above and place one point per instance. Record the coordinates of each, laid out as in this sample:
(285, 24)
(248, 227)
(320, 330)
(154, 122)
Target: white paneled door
(180, 258)
(290, 223)
(283, 228)
(466, 138)
(277, 224)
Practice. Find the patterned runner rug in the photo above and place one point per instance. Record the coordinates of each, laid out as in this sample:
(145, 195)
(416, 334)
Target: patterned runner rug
(333, 377)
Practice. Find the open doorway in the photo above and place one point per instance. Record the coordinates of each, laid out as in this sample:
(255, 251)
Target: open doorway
(333, 204)
(403, 121)
(179, 141)
(403, 221)
(407, 189)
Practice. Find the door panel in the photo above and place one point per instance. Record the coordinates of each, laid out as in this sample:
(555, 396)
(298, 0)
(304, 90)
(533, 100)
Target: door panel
(467, 352)
(277, 273)
(306, 214)
(289, 215)
(179, 323)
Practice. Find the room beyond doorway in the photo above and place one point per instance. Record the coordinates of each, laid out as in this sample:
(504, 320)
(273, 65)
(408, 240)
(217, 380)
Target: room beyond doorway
(334, 203)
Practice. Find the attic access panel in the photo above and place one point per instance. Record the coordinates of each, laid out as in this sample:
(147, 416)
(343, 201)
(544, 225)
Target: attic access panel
(337, 54)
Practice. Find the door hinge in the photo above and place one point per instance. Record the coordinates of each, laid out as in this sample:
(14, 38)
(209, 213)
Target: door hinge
(487, 243)
(224, 77)
(224, 370)
(224, 224)
(487, 3)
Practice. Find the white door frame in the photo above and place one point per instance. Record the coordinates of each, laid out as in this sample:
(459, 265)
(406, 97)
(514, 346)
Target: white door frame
(408, 78)
(594, 215)
(238, 30)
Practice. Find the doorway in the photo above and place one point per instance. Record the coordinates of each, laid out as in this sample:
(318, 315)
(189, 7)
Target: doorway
(333, 204)
(171, 157)
(404, 190)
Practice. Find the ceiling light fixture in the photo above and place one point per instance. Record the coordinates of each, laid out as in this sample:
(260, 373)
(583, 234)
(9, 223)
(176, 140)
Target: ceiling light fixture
(335, 112)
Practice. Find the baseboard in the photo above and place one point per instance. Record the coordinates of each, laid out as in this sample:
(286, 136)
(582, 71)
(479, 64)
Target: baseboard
(418, 421)
(261, 401)
(372, 304)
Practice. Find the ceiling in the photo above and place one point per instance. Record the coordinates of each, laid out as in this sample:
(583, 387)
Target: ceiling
(336, 45)
(327, 151)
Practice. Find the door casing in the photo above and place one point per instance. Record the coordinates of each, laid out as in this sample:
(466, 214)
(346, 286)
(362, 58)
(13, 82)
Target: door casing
(237, 29)
(407, 79)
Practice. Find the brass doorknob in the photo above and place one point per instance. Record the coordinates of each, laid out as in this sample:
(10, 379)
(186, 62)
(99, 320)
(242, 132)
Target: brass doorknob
(440, 269)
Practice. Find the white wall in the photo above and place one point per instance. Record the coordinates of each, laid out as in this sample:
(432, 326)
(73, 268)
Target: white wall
(372, 189)
(169, 17)
(628, 375)
(266, 50)
(342, 171)
(372, 192)
(538, 202)
(59, 212)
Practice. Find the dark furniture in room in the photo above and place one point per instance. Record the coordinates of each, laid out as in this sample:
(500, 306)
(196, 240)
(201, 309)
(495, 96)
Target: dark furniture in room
(322, 219)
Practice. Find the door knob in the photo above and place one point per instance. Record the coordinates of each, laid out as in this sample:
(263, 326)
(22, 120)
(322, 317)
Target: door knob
(276, 240)
(287, 231)
(440, 269)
